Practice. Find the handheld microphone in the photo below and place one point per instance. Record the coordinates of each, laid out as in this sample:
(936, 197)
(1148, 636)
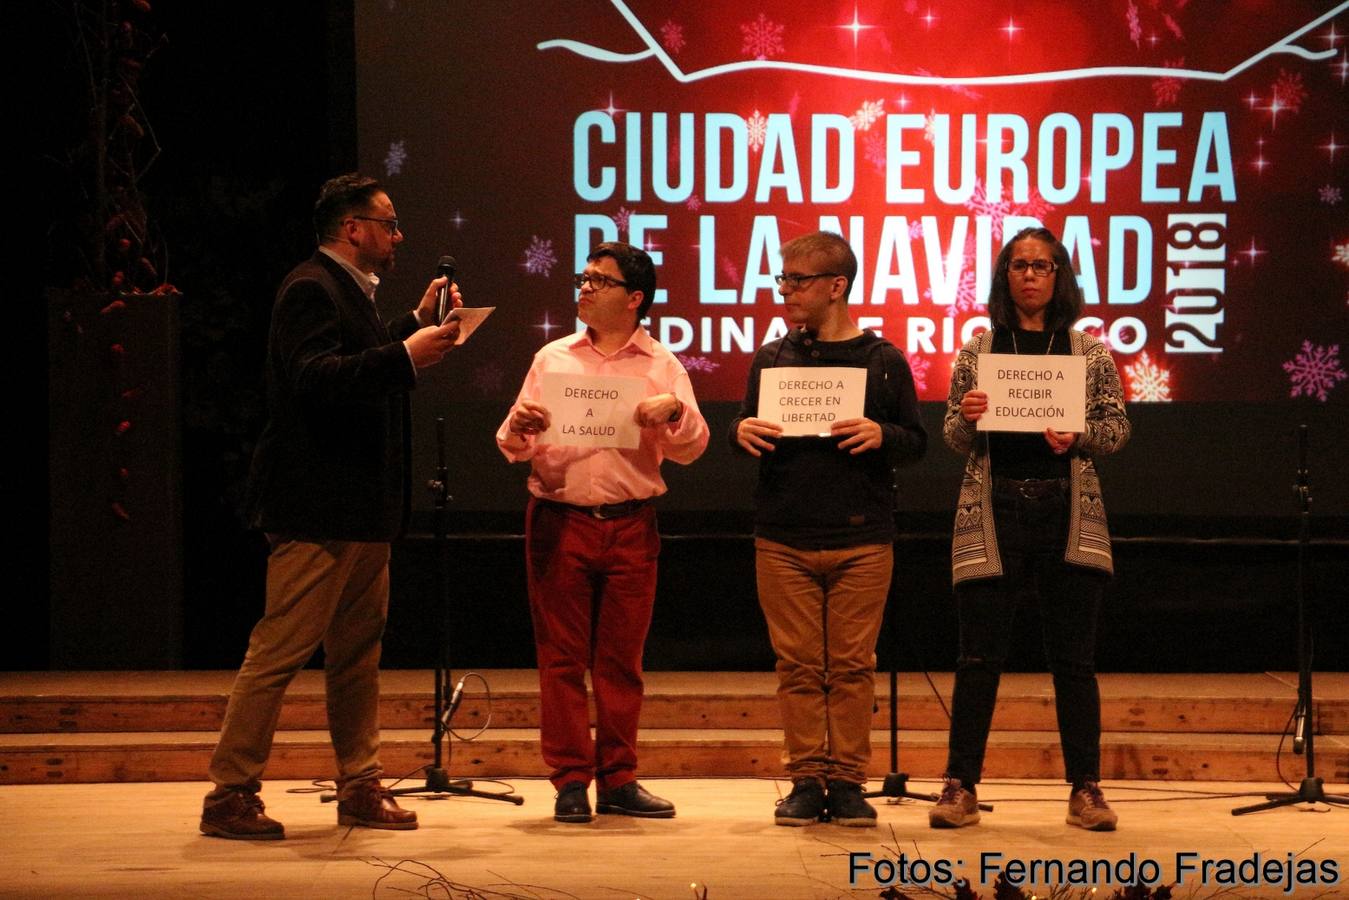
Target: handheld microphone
(444, 303)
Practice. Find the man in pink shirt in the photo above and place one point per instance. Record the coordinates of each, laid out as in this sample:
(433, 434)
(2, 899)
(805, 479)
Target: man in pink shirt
(591, 542)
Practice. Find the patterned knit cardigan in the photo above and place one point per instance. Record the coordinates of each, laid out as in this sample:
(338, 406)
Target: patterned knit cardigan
(974, 547)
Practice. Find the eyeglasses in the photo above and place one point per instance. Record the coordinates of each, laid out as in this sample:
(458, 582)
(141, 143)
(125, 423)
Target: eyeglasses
(794, 281)
(391, 224)
(1038, 266)
(597, 281)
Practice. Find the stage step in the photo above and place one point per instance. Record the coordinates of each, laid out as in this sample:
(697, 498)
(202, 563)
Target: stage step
(514, 752)
(160, 726)
(1259, 703)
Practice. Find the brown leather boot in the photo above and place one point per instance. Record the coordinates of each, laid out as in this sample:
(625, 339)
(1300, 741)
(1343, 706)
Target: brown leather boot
(370, 805)
(238, 814)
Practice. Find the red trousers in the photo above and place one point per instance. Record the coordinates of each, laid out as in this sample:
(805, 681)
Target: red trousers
(592, 584)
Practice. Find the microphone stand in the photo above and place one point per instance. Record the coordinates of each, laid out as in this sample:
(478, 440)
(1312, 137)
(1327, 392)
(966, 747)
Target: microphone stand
(1311, 789)
(438, 780)
(896, 783)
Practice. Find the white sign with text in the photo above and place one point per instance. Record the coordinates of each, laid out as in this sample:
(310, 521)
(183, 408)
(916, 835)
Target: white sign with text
(591, 410)
(808, 400)
(1032, 393)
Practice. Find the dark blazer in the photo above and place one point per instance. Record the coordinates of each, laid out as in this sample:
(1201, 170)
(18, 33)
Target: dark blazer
(332, 462)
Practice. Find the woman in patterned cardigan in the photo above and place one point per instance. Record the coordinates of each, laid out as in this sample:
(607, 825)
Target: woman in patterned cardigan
(1030, 520)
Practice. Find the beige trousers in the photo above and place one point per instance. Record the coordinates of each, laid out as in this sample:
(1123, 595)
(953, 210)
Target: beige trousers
(824, 610)
(334, 593)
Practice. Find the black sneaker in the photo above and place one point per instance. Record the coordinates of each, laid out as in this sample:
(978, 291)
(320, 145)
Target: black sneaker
(632, 799)
(573, 805)
(803, 806)
(848, 807)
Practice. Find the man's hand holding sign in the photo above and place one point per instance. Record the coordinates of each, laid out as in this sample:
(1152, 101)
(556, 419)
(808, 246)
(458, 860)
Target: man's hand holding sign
(800, 401)
(578, 410)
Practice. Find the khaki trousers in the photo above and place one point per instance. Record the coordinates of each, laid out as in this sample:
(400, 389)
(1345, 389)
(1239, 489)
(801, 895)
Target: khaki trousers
(334, 593)
(824, 610)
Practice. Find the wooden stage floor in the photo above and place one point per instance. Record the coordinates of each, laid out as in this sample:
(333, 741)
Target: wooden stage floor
(102, 775)
(141, 840)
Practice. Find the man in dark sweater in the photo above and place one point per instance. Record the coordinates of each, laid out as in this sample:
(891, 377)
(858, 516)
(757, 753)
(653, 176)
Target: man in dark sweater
(823, 532)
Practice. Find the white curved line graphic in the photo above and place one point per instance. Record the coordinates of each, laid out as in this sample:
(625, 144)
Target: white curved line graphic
(1283, 46)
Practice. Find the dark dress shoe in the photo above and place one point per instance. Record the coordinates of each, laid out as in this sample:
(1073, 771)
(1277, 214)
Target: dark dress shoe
(634, 800)
(573, 805)
(369, 805)
(239, 815)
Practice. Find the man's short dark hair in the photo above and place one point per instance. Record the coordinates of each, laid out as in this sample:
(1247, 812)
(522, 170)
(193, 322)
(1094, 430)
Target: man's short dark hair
(836, 251)
(339, 198)
(637, 268)
(1065, 306)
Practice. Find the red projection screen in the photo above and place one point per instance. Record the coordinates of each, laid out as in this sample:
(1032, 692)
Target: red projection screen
(1190, 154)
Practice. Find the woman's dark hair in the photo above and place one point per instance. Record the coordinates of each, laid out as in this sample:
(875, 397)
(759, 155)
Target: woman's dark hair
(1065, 306)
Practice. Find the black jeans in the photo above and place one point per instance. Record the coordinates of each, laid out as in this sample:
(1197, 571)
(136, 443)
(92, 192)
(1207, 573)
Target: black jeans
(1032, 534)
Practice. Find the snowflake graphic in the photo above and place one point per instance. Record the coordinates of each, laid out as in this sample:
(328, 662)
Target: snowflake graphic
(930, 126)
(966, 300)
(394, 159)
(758, 130)
(1315, 370)
(874, 150)
(919, 366)
(1329, 194)
(864, 118)
(1134, 18)
(694, 203)
(980, 205)
(539, 257)
(672, 36)
(1166, 90)
(762, 38)
(915, 229)
(1288, 91)
(697, 363)
(1035, 206)
(621, 219)
(1148, 382)
(1341, 255)
(1135, 25)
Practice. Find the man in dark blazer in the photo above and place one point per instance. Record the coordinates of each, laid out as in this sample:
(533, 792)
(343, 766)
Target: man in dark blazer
(330, 488)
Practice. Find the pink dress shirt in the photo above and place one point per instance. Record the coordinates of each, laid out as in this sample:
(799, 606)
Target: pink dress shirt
(592, 476)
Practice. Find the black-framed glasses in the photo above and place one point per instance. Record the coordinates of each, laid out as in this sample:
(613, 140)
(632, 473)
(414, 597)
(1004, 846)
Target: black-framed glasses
(794, 281)
(1040, 267)
(597, 281)
(391, 224)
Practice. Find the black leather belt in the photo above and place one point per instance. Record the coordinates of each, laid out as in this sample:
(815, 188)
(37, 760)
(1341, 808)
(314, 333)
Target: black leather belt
(604, 510)
(1031, 488)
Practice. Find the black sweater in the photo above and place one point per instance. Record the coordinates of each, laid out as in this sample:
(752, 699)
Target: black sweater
(812, 495)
